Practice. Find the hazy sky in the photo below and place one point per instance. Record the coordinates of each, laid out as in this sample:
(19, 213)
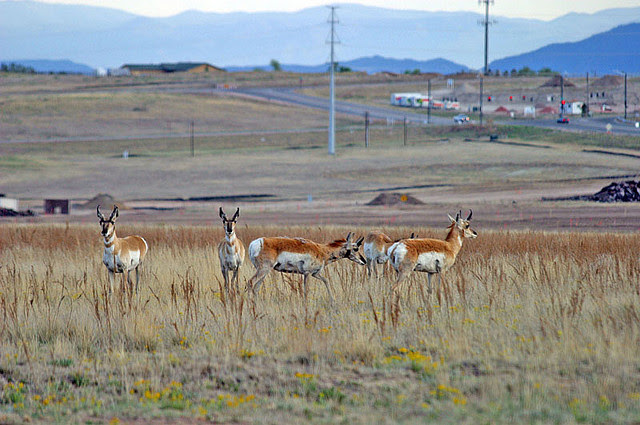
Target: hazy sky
(540, 9)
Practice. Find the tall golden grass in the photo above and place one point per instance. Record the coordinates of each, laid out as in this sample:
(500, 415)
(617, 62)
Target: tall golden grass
(526, 326)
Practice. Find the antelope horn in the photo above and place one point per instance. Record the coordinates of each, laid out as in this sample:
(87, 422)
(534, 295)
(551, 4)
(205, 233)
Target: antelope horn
(349, 237)
(470, 214)
(100, 215)
(115, 213)
(222, 214)
(458, 215)
(359, 241)
(236, 214)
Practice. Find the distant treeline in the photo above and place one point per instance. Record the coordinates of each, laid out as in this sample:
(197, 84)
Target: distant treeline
(16, 67)
(525, 71)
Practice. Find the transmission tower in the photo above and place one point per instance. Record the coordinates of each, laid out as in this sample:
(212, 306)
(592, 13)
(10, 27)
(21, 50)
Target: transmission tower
(333, 40)
(486, 22)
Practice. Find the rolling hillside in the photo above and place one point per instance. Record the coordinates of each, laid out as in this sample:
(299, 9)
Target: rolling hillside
(604, 53)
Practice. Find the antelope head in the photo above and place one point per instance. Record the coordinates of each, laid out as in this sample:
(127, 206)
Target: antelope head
(463, 225)
(229, 225)
(110, 223)
(349, 250)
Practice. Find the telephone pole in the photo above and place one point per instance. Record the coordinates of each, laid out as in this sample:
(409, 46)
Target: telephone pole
(486, 22)
(332, 102)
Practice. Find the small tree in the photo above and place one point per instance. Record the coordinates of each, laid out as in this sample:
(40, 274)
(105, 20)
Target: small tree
(275, 65)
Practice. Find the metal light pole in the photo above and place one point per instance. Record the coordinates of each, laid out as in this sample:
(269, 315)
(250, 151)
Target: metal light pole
(332, 101)
(486, 24)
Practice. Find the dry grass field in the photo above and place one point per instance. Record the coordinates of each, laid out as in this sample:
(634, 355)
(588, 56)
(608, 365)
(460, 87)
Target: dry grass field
(527, 327)
(537, 322)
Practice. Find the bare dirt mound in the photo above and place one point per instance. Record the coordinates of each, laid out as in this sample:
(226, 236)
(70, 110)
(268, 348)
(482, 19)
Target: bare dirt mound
(555, 81)
(608, 81)
(395, 198)
(105, 201)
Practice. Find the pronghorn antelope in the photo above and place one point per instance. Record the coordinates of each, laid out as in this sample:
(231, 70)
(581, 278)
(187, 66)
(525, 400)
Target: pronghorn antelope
(230, 250)
(121, 254)
(298, 255)
(375, 249)
(430, 255)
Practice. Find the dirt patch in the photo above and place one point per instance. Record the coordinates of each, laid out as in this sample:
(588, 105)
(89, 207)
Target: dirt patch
(395, 198)
(105, 201)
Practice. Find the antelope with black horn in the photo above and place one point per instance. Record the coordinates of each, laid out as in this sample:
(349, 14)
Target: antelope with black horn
(121, 254)
(301, 256)
(230, 250)
(432, 256)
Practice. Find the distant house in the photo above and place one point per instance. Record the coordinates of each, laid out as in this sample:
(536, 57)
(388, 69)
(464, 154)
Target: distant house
(168, 68)
(573, 107)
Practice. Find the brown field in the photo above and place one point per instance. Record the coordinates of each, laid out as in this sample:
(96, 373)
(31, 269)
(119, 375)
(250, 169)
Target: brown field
(526, 327)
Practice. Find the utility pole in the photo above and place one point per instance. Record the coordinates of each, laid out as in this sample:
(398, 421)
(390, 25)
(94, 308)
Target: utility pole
(486, 22)
(191, 134)
(366, 129)
(481, 96)
(587, 109)
(332, 102)
(625, 96)
(561, 96)
(429, 104)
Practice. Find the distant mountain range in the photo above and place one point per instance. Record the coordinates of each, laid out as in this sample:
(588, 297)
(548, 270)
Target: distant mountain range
(53, 66)
(604, 53)
(371, 65)
(102, 37)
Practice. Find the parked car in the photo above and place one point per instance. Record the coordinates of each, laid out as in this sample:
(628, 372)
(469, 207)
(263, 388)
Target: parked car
(563, 120)
(460, 119)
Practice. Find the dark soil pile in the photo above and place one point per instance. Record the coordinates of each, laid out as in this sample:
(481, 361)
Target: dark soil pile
(555, 82)
(395, 198)
(105, 201)
(628, 191)
(608, 81)
(7, 212)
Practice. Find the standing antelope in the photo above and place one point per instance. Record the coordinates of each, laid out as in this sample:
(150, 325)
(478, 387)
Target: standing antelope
(430, 255)
(298, 255)
(230, 250)
(375, 248)
(121, 254)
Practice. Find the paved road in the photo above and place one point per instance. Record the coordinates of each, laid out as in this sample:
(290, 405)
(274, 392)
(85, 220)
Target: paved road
(577, 124)
(288, 95)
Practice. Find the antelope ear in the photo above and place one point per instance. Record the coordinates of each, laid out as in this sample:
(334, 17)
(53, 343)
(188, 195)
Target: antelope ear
(222, 214)
(100, 215)
(359, 241)
(453, 220)
(236, 215)
(349, 237)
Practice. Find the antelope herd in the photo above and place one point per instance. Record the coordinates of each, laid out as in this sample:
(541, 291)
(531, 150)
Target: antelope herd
(300, 255)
